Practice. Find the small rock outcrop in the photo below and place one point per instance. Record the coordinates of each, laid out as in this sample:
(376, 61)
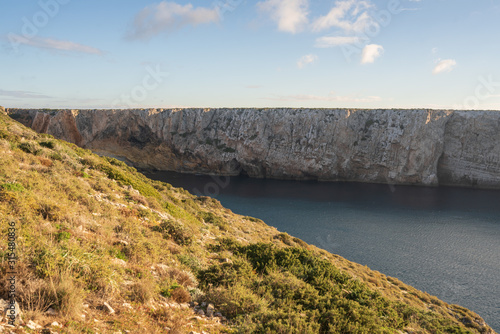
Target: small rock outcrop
(421, 147)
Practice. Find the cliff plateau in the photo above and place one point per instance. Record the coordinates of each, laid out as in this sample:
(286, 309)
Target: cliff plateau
(420, 147)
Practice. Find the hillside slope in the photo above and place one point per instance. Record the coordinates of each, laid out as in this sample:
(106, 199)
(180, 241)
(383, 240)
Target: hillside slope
(395, 146)
(94, 234)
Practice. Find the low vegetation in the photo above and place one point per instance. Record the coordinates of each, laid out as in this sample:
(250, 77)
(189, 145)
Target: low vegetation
(93, 231)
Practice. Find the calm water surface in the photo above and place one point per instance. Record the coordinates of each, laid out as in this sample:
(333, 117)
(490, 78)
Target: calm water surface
(445, 241)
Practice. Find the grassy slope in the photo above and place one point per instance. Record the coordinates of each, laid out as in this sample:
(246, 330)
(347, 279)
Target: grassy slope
(92, 229)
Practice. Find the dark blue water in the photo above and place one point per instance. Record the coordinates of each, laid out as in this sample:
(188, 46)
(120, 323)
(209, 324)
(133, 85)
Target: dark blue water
(445, 241)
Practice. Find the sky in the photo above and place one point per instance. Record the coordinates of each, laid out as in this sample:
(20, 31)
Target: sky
(439, 54)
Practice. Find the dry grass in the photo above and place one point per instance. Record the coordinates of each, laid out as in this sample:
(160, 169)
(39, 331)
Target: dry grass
(92, 230)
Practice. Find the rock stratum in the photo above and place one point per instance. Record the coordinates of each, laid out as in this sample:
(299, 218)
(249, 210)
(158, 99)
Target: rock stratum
(418, 147)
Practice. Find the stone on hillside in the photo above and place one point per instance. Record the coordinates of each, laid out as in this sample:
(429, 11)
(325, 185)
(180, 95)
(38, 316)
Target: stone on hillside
(127, 305)
(108, 308)
(210, 310)
(51, 311)
(10, 311)
(33, 325)
(122, 242)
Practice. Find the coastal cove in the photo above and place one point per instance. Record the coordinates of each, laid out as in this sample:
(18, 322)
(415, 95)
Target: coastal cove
(441, 240)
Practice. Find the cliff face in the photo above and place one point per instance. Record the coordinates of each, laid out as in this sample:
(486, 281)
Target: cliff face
(426, 147)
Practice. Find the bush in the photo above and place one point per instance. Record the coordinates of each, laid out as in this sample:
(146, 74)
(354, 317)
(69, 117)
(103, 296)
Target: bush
(285, 238)
(56, 156)
(29, 148)
(180, 295)
(175, 231)
(64, 235)
(48, 144)
(12, 187)
(50, 211)
(191, 261)
(143, 290)
(236, 300)
(184, 278)
(63, 294)
(226, 274)
(211, 218)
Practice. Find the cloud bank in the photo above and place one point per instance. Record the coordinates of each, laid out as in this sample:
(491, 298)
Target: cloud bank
(168, 16)
(291, 15)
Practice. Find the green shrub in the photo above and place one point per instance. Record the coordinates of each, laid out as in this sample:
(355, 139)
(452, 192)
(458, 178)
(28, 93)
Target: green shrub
(12, 186)
(225, 244)
(63, 235)
(29, 148)
(228, 273)
(300, 242)
(8, 136)
(173, 230)
(56, 156)
(126, 177)
(211, 218)
(236, 300)
(285, 238)
(191, 261)
(252, 219)
(177, 292)
(48, 144)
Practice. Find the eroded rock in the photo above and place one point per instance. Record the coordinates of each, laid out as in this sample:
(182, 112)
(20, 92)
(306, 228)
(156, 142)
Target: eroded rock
(424, 147)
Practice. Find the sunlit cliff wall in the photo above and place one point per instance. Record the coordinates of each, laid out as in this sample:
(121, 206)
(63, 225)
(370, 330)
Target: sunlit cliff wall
(425, 147)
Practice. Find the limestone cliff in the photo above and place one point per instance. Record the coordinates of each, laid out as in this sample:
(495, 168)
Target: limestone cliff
(425, 147)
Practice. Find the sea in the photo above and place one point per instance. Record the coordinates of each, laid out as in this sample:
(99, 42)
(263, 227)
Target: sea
(442, 240)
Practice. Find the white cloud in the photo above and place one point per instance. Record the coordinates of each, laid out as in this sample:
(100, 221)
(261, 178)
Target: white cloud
(370, 53)
(348, 15)
(332, 97)
(331, 41)
(167, 16)
(54, 44)
(22, 94)
(307, 59)
(291, 15)
(446, 65)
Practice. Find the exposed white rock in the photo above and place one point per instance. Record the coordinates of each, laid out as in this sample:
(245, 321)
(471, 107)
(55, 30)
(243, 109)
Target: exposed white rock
(33, 325)
(108, 308)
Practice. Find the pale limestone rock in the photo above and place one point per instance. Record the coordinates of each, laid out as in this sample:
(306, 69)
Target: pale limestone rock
(108, 308)
(33, 325)
(210, 310)
(127, 305)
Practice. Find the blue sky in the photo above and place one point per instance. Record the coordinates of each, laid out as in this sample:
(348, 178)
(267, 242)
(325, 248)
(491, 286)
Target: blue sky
(237, 53)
